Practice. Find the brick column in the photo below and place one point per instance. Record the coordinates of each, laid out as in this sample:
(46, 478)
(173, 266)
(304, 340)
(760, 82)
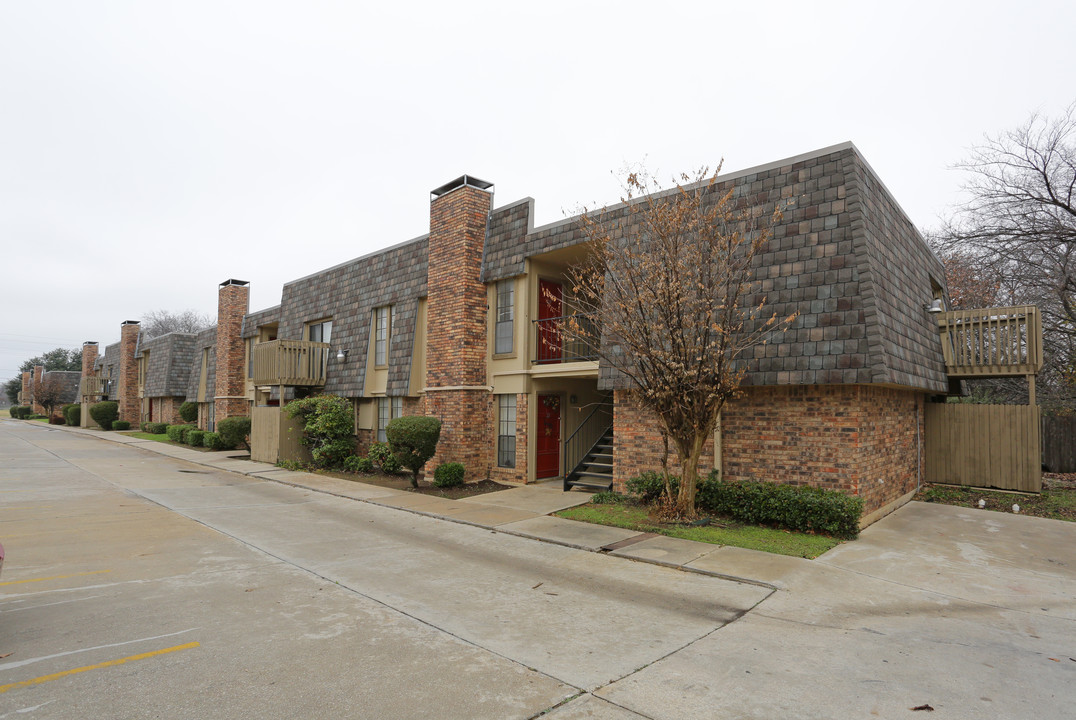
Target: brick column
(233, 302)
(39, 371)
(457, 389)
(89, 358)
(26, 387)
(127, 384)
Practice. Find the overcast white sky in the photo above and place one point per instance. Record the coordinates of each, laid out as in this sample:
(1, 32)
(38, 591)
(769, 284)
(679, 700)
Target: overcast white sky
(150, 149)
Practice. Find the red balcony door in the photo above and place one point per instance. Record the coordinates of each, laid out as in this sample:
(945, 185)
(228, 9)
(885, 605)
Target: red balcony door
(550, 305)
(547, 444)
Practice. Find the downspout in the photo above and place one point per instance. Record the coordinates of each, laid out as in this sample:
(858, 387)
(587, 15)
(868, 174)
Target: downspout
(918, 446)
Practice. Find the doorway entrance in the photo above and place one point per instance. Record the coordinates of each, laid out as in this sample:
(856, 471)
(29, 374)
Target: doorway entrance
(547, 444)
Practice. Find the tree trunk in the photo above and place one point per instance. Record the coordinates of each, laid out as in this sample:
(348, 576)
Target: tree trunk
(685, 501)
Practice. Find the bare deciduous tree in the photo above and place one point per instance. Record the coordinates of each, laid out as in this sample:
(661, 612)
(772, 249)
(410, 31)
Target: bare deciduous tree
(1020, 226)
(668, 282)
(49, 393)
(162, 322)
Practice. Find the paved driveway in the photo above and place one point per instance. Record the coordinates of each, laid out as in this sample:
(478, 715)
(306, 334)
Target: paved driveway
(968, 611)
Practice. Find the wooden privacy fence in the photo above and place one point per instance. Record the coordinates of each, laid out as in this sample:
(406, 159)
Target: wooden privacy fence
(274, 436)
(983, 446)
(1059, 443)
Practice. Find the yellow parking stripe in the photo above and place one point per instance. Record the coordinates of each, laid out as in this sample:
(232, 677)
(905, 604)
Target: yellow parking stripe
(98, 666)
(53, 577)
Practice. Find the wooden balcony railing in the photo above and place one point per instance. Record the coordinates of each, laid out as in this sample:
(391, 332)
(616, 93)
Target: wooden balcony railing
(92, 386)
(991, 342)
(565, 339)
(290, 362)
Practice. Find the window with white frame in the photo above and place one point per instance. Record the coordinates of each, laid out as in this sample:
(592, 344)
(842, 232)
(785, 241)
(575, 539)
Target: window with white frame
(506, 431)
(387, 409)
(320, 331)
(382, 328)
(506, 315)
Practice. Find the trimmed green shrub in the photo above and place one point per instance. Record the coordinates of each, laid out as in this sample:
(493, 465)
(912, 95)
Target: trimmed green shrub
(391, 466)
(234, 431)
(649, 486)
(154, 428)
(379, 453)
(328, 427)
(413, 441)
(177, 432)
(20, 412)
(793, 507)
(359, 464)
(212, 441)
(72, 413)
(448, 475)
(104, 412)
(188, 412)
(607, 497)
(195, 438)
(121, 425)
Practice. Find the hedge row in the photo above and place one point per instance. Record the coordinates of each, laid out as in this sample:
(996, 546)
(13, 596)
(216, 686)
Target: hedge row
(793, 507)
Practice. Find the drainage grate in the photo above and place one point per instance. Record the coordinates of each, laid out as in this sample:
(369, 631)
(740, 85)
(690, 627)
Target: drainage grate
(194, 472)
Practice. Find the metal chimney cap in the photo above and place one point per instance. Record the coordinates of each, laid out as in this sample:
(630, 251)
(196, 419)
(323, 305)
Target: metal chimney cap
(459, 182)
(90, 342)
(233, 281)
(130, 322)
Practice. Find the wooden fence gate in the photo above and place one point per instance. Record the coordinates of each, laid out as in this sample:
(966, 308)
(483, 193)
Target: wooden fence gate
(1059, 443)
(274, 436)
(983, 446)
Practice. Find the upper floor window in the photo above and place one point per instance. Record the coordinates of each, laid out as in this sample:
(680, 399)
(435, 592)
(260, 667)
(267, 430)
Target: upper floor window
(320, 331)
(506, 314)
(382, 329)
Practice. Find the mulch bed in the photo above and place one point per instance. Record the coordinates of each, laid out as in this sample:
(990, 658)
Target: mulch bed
(403, 482)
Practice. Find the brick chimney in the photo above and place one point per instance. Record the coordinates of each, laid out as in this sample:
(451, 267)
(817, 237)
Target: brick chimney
(127, 385)
(89, 359)
(233, 302)
(457, 389)
(26, 387)
(39, 372)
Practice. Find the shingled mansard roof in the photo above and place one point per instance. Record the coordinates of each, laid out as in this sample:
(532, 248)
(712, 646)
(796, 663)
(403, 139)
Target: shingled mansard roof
(69, 380)
(205, 339)
(170, 360)
(844, 257)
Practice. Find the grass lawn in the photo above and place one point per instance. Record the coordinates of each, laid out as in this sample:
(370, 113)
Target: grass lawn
(1056, 501)
(719, 532)
(163, 437)
(5, 413)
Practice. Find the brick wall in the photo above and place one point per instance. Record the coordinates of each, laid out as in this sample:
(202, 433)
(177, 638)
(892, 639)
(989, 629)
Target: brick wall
(130, 405)
(27, 388)
(39, 371)
(518, 474)
(859, 439)
(230, 387)
(456, 329)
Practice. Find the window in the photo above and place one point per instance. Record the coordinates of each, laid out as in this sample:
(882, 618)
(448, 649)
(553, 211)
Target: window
(387, 409)
(506, 431)
(381, 335)
(506, 314)
(320, 332)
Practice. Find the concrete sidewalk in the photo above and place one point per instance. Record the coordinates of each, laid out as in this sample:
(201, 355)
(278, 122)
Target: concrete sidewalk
(524, 511)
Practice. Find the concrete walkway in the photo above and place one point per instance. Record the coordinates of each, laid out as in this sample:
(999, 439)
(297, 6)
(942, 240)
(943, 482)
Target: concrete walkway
(524, 511)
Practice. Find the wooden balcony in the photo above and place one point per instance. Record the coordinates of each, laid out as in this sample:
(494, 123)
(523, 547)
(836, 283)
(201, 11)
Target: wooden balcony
(92, 386)
(290, 362)
(991, 342)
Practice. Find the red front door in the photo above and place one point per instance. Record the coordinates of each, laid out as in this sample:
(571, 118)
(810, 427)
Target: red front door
(550, 306)
(547, 464)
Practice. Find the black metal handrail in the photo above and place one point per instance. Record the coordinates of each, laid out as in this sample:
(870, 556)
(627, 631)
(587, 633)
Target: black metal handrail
(555, 342)
(581, 442)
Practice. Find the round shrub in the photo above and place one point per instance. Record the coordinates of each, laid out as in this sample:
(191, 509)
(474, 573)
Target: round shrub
(194, 438)
(20, 412)
(328, 427)
(649, 486)
(413, 441)
(104, 412)
(154, 428)
(188, 412)
(212, 441)
(176, 432)
(379, 453)
(359, 464)
(448, 475)
(121, 425)
(72, 413)
(234, 431)
(391, 466)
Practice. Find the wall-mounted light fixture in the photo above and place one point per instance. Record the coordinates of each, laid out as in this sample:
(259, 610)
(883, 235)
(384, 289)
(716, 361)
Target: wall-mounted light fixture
(934, 307)
(341, 355)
